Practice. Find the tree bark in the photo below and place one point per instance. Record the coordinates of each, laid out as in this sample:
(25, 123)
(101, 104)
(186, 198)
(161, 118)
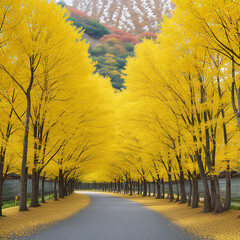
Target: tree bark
(170, 187)
(227, 203)
(43, 192)
(190, 192)
(138, 187)
(55, 189)
(1, 185)
(65, 187)
(177, 199)
(195, 193)
(218, 205)
(23, 195)
(144, 187)
(207, 197)
(182, 181)
(154, 188)
(149, 189)
(163, 189)
(158, 188)
(61, 190)
(35, 182)
(213, 193)
(131, 190)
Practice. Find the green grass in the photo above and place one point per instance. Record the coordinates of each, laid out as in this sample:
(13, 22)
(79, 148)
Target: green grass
(13, 203)
(235, 207)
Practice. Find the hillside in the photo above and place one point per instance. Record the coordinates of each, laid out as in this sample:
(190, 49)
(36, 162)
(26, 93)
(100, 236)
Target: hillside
(133, 16)
(109, 46)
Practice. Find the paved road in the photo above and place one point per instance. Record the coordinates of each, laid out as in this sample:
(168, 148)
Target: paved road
(112, 218)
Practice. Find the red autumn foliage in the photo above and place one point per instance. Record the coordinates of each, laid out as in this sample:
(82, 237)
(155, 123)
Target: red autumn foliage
(76, 13)
(147, 35)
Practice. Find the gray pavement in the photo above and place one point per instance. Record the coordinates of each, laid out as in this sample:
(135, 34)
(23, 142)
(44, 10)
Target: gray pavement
(112, 218)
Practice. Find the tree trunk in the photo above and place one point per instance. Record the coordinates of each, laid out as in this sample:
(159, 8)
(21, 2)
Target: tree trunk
(154, 188)
(35, 188)
(115, 186)
(170, 188)
(144, 187)
(23, 192)
(158, 188)
(181, 179)
(65, 187)
(138, 187)
(213, 193)
(61, 190)
(131, 190)
(218, 205)
(182, 188)
(1, 186)
(119, 187)
(195, 193)
(177, 200)
(149, 189)
(43, 192)
(227, 203)
(207, 197)
(163, 189)
(190, 192)
(55, 189)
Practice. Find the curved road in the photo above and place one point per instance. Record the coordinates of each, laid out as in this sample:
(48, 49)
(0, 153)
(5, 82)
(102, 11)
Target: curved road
(112, 218)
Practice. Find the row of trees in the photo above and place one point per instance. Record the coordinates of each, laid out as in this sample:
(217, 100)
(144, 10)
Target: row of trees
(179, 118)
(51, 125)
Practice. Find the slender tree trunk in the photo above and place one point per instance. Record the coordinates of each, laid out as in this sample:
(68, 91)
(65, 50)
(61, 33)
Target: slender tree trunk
(170, 188)
(55, 189)
(138, 187)
(182, 181)
(1, 185)
(182, 188)
(25, 183)
(158, 188)
(207, 196)
(227, 203)
(195, 193)
(178, 195)
(65, 187)
(149, 189)
(34, 198)
(119, 187)
(154, 188)
(1, 195)
(190, 192)
(61, 190)
(163, 189)
(213, 193)
(218, 205)
(131, 190)
(115, 186)
(43, 192)
(23, 195)
(144, 187)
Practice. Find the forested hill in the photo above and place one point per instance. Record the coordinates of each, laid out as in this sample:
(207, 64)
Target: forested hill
(110, 46)
(133, 16)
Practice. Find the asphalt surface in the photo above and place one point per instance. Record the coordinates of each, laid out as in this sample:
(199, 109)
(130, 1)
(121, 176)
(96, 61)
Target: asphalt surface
(112, 218)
